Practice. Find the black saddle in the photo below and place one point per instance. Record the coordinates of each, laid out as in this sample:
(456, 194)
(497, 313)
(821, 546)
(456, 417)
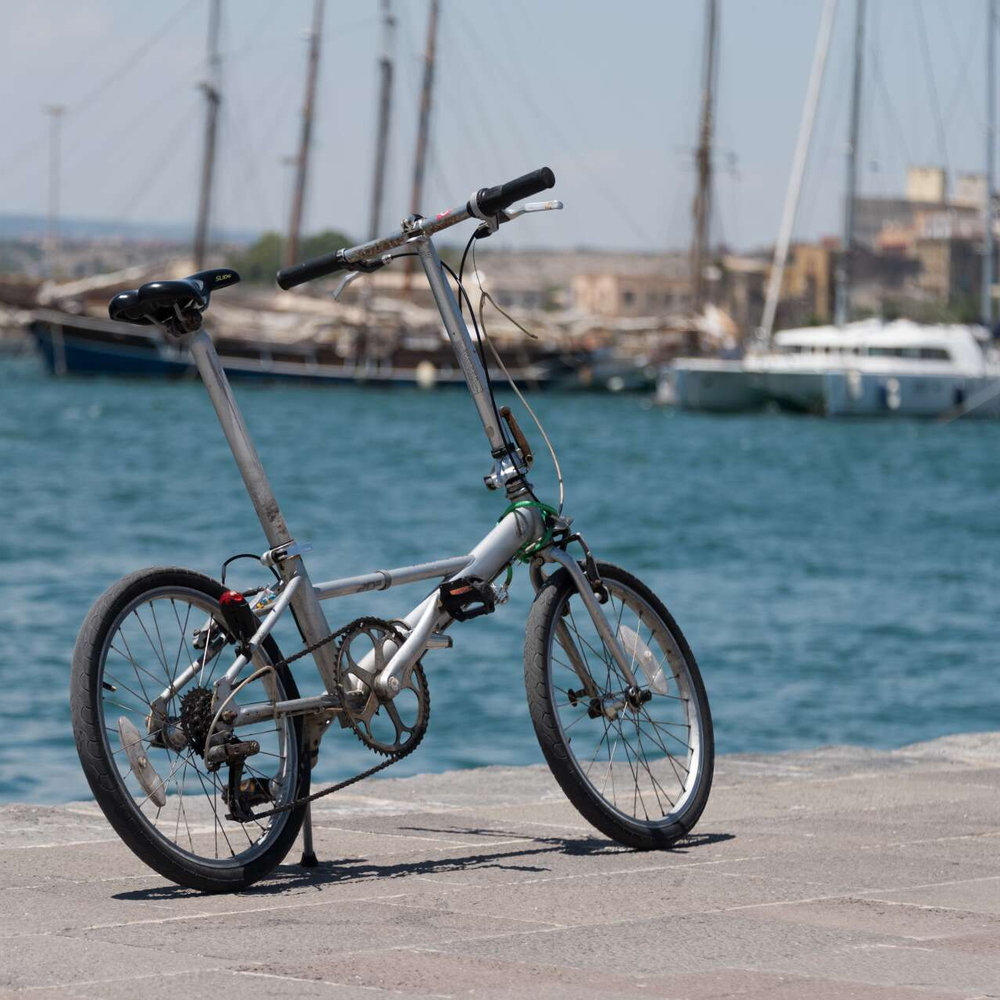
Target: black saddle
(175, 305)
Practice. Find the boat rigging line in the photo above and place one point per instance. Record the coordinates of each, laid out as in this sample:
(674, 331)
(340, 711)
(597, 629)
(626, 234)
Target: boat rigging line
(702, 208)
(932, 86)
(212, 89)
(385, 75)
(423, 126)
(91, 97)
(305, 140)
(842, 305)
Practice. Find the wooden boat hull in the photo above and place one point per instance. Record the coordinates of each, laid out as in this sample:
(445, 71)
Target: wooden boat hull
(79, 345)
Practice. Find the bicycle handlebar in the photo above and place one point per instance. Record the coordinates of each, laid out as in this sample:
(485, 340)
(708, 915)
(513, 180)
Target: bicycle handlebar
(315, 267)
(485, 204)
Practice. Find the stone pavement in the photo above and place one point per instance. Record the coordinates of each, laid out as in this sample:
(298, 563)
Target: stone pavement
(840, 872)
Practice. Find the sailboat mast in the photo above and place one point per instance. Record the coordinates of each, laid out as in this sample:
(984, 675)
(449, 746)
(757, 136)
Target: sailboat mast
(213, 97)
(55, 113)
(988, 249)
(384, 111)
(423, 127)
(702, 209)
(305, 139)
(798, 170)
(842, 305)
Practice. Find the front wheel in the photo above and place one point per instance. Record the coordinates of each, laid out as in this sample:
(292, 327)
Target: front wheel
(638, 767)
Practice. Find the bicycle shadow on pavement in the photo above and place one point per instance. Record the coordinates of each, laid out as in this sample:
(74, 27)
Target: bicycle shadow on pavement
(527, 858)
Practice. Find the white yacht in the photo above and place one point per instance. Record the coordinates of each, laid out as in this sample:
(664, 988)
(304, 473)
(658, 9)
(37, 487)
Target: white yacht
(869, 368)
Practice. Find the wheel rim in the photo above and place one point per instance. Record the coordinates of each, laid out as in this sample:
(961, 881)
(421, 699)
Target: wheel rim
(148, 645)
(645, 763)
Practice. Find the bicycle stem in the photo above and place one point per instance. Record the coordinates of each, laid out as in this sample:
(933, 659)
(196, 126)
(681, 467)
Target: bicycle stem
(509, 468)
(461, 342)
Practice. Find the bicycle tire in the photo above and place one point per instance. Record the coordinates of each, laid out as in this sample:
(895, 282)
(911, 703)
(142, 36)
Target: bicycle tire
(543, 693)
(98, 759)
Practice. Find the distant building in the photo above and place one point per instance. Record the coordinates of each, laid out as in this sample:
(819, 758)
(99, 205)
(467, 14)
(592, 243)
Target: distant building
(744, 283)
(809, 278)
(927, 184)
(970, 191)
(630, 286)
(926, 198)
(949, 269)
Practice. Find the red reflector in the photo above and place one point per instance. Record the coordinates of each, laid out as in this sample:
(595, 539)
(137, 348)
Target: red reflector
(232, 597)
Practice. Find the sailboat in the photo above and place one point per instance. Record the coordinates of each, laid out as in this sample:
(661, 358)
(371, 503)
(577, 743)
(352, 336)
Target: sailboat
(330, 348)
(867, 368)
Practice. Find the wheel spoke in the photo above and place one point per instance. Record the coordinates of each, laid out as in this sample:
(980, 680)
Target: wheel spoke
(136, 666)
(180, 829)
(152, 646)
(182, 645)
(632, 738)
(159, 639)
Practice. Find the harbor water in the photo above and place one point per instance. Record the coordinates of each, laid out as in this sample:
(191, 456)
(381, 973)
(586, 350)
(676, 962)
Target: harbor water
(839, 582)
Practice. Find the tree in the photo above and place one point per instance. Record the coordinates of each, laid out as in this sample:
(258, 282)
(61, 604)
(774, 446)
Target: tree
(258, 263)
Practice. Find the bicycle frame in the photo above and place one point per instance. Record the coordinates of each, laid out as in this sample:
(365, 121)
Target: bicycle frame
(424, 622)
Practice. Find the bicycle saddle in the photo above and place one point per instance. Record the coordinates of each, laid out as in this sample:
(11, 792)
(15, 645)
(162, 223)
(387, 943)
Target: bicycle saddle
(175, 305)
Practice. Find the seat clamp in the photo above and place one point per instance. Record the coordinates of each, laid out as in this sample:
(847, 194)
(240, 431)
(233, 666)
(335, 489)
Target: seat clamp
(282, 552)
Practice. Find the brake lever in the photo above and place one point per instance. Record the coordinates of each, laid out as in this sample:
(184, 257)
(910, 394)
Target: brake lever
(508, 215)
(344, 282)
(533, 206)
(360, 268)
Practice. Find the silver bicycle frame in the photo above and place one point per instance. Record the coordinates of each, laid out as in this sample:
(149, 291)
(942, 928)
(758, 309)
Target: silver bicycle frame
(425, 622)
(485, 562)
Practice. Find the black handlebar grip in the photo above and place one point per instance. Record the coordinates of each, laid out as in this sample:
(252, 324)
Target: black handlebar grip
(489, 201)
(318, 267)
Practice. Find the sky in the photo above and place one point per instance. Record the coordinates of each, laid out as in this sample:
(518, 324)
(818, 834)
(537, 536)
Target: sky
(607, 94)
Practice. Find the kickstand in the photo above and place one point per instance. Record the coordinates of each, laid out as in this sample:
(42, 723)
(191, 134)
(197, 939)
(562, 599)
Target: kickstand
(308, 859)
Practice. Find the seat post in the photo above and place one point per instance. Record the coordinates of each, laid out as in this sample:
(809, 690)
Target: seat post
(233, 426)
(306, 607)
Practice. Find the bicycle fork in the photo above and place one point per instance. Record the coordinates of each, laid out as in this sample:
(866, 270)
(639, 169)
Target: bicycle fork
(600, 702)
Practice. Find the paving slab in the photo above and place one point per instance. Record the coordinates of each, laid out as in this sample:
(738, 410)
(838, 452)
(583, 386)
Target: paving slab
(834, 873)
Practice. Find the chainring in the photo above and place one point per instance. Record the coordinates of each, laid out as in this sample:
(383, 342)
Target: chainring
(384, 726)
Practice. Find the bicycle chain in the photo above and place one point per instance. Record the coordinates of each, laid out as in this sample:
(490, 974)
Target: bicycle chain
(369, 622)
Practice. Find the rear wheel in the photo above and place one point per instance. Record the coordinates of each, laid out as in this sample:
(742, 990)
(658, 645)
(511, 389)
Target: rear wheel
(156, 788)
(638, 768)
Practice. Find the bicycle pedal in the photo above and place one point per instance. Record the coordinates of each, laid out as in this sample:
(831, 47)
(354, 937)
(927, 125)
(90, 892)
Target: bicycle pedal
(467, 598)
(252, 791)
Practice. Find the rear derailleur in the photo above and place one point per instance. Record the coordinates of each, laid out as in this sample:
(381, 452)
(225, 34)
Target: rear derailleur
(221, 748)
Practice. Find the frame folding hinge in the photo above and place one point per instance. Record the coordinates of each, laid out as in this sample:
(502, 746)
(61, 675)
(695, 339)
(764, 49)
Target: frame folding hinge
(282, 552)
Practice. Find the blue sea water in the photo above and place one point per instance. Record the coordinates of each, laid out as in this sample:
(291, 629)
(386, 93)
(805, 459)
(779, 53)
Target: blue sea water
(838, 581)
